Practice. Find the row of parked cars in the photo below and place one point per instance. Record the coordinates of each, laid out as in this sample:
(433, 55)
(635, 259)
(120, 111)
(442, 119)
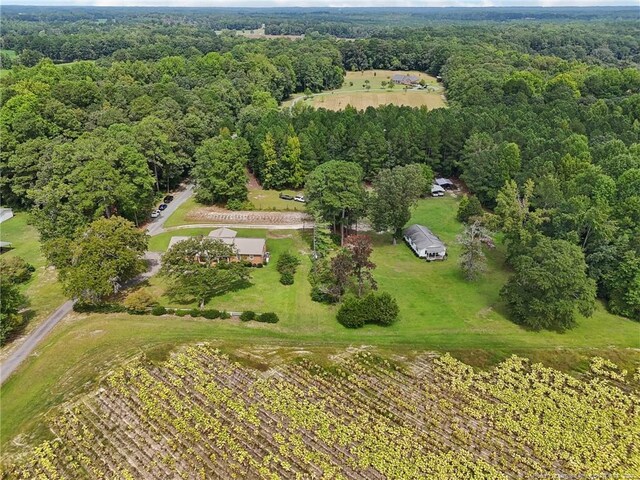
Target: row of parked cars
(297, 198)
(163, 206)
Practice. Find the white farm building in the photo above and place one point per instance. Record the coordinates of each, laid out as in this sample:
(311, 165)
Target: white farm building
(425, 243)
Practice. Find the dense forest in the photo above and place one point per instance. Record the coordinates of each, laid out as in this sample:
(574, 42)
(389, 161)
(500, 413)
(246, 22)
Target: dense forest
(144, 100)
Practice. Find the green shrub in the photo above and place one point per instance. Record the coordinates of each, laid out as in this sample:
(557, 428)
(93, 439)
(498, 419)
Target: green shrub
(268, 317)
(351, 313)
(210, 314)
(139, 301)
(247, 316)
(15, 269)
(171, 311)
(287, 265)
(383, 308)
(287, 262)
(182, 313)
(195, 312)
(224, 314)
(286, 278)
(158, 310)
(468, 208)
(373, 308)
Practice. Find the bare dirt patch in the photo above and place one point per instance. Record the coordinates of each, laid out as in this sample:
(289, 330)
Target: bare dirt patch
(221, 216)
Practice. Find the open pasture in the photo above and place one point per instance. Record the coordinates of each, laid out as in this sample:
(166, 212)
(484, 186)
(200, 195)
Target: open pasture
(366, 89)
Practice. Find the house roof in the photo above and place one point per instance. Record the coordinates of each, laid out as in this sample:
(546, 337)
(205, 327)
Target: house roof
(243, 246)
(443, 181)
(399, 77)
(249, 246)
(175, 240)
(424, 239)
(223, 232)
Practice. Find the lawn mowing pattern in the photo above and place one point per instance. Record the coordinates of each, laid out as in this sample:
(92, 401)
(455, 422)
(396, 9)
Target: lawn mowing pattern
(201, 414)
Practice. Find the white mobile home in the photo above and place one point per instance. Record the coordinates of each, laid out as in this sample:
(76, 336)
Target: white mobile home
(425, 243)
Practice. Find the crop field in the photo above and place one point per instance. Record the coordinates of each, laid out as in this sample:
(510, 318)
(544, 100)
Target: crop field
(365, 89)
(202, 415)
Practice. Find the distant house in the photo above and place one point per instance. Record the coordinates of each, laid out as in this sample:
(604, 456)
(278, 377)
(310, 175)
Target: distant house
(445, 183)
(425, 243)
(402, 79)
(253, 250)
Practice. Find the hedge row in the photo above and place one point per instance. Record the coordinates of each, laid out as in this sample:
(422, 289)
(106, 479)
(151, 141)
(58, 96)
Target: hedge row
(267, 317)
(158, 310)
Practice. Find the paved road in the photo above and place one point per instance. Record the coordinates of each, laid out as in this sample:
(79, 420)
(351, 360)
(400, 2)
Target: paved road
(156, 226)
(32, 340)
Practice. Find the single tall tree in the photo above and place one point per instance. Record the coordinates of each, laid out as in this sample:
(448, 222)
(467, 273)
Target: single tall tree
(334, 191)
(472, 258)
(549, 286)
(396, 192)
(360, 248)
(219, 171)
(198, 267)
(98, 261)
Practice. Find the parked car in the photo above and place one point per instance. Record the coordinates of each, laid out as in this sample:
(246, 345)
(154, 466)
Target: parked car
(155, 214)
(284, 196)
(163, 206)
(299, 198)
(168, 199)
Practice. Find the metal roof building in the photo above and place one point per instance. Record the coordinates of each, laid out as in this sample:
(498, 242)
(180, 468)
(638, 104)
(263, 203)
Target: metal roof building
(425, 243)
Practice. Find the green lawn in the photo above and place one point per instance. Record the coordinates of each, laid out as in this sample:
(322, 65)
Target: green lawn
(438, 311)
(42, 290)
(179, 217)
(270, 200)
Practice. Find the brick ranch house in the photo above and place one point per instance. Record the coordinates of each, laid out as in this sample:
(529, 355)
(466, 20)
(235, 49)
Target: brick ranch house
(253, 250)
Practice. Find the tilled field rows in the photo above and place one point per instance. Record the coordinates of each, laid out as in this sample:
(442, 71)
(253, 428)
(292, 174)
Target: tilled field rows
(200, 415)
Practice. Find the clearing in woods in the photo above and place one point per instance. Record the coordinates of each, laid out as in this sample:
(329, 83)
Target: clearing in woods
(200, 414)
(354, 92)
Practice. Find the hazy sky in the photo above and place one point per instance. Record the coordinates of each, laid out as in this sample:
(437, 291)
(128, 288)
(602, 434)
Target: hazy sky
(326, 3)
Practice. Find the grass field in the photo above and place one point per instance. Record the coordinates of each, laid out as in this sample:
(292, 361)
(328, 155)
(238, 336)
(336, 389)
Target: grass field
(42, 290)
(354, 92)
(438, 311)
(270, 200)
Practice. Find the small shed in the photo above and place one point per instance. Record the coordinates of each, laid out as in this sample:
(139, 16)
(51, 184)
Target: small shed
(445, 183)
(4, 246)
(425, 243)
(437, 191)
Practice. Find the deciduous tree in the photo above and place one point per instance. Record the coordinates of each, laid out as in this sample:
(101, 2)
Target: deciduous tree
(549, 286)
